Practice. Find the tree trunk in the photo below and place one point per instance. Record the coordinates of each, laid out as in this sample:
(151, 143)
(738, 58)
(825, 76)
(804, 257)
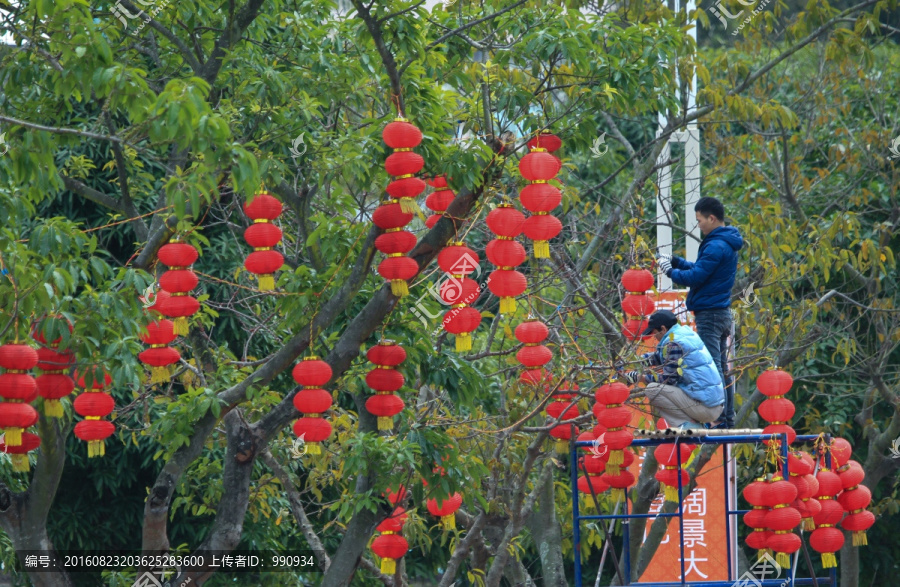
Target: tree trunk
(547, 536)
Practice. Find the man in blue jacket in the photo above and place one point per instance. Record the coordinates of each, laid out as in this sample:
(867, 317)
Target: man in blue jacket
(688, 390)
(711, 279)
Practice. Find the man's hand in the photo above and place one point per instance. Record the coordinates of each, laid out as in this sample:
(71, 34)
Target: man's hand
(633, 377)
(665, 263)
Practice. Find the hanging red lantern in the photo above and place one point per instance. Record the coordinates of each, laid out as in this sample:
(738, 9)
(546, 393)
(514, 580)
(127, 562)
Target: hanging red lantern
(540, 228)
(754, 493)
(532, 333)
(826, 539)
(54, 383)
(402, 136)
(797, 469)
(592, 484)
(396, 268)
(504, 252)
(93, 405)
(540, 197)
(178, 281)
(439, 200)
(858, 521)
(618, 483)
(617, 438)
(17, 389)
(781, 519)
(445, 510)
(263, 235)
(633, 329)
(390, 546)
(19, 454)
(669, 470)
(637, 281)
(638, 305)
(539, 165)
(545, 139)
(776, 410)
(385, 379)
(394, 522)
(159, 356)
(563, 432)
(505, 221)
(312, 401)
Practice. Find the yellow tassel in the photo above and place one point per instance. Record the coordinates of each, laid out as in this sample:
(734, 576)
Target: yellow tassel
(613, 469)
(541, 250)
(860, 539)
(399, 288)
(266, 282)
(385, 423)
(313, 448)
(829, 561)
(20, 463)
(507, 305)
(783, 559)
(449, 522)
(617, 494)
(808, 524)
(181, 326)
(159, 374)
(671, 494)
(616, 457)
(463, 342)
(96, 448)
(388, 566)
(52, 408)
(13, 436)
(561, 446)
(410, 206)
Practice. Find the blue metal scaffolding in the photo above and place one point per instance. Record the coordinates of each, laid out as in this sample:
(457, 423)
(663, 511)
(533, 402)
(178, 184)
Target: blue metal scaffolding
(830, 581)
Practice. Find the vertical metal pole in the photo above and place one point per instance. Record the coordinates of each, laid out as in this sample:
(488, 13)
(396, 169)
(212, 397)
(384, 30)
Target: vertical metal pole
(576, 526)
(691, 186)
(663, 204)
(680, 510)
(626, 527)
(727, 490)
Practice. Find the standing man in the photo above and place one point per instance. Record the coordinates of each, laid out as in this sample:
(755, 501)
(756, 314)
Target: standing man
(711, 279)
(689, 389)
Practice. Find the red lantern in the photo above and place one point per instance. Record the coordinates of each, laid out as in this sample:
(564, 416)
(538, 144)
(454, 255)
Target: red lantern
(390, 546)
(669, 471)
(638, 305)
(774, 383)
(19, 454)
(394, 522)
(394, 241)
(633, 329)
(397, 268)
(159, 356)
(637, 281)
(93, 405)
(826, 539)
(781, 519)
(402, 137)
(592, 484)
(541, 228)
(563, 432)
(505, 221)
(776, 410)
(462, 321)
(312, 401)
(439, 200)
(179, 257)
(262, 235)
(401, 134)
(54, 383)
(618, 483)
(618, 437)
(445, 510)
(532, 333)
(858, 522)
(754, 493)
(540, 197)
(385, 379)
(17, 389)
(545, 140)
(539, 165)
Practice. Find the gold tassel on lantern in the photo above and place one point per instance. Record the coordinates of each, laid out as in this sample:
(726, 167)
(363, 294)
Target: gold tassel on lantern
(860, 539)
(159, 374)
(449, 522)
(388, 566)
(671, 493)
(541, 249)
(507, 305)
(20, 463)
(313, 448)
(783, 560)
(616, 457)
(180, 325)
(410, 206)
(53, 408)
(829, 561)
(617, 494)
(807, 524)
(13, 436)
(561, 446)
(613, 469)
(399, 288)
(463, 342)
(266, 282)
(96, 448)
(385, 423)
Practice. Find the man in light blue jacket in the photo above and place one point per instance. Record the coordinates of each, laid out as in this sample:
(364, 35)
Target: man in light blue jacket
(689, 389)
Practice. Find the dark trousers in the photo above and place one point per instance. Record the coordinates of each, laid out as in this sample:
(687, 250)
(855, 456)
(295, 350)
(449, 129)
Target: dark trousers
(714, 327)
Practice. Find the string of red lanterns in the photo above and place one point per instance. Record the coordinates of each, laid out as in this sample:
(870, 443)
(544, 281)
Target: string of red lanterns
(263, 235)
(854, 497)
(776, 409)
(459, 291)
(385, 379)
(754, 493)
(781, 519)
(539, 197)
(93, 405)
(636, 304)
(826, 539)
(506, 254)
(390, 545)
(54, 383)
(18, 389)
(179, 281)
(312, 401)
(563, 404)
(439, 200)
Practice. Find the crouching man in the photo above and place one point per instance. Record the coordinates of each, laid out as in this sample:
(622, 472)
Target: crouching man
(689, 389)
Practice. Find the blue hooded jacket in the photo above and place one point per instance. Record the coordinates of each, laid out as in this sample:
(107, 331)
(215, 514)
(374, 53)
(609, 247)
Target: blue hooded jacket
(711, 276)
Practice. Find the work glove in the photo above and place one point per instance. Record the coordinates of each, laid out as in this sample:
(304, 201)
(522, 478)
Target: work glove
(633, 377)
(665, 263)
